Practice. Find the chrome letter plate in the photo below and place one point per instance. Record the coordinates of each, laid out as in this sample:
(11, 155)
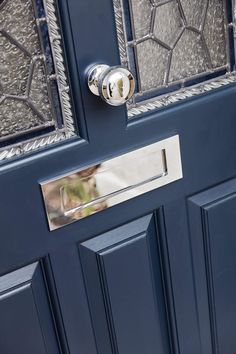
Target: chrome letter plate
(85, 192)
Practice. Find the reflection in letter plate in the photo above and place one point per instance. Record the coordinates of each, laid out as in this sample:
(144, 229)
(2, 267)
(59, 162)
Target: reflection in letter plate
(82, 193)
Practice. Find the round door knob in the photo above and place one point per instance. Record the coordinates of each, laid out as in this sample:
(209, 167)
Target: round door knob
(115, 85)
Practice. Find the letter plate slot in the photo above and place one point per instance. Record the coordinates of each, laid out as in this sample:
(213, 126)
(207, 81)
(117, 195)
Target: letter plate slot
(87, 191)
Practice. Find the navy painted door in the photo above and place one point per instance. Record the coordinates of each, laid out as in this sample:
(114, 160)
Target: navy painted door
(153, 275)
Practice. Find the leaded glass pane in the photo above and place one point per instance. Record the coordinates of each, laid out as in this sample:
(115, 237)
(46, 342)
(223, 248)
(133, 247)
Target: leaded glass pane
(170, 45)
(34, 99)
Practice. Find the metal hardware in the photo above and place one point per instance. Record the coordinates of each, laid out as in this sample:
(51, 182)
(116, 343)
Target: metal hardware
(115, 85)
(85, 192)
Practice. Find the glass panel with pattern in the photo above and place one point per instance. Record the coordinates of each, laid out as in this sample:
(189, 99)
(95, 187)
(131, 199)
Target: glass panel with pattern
(170, 45)
(35, 105)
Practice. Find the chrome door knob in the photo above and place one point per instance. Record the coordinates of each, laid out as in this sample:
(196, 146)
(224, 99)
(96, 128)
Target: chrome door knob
(115, 85)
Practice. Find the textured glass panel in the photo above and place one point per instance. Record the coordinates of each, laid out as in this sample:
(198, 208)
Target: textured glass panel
(18, 20)
(168, 28)
(149, 76)
(18, 116)
(142, 10)
(34, 96)
(214, 33)
(38, 91)
(14, 67)
(172, 44)
(194, 12)
(189, 57)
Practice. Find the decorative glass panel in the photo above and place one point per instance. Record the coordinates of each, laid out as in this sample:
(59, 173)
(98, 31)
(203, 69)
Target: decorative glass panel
(170, 45)
(35, 105)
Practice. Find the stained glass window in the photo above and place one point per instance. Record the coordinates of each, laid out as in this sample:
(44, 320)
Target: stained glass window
(35, 105)
(173, 44)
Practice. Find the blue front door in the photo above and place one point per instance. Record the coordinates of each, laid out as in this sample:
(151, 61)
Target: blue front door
(151, 273)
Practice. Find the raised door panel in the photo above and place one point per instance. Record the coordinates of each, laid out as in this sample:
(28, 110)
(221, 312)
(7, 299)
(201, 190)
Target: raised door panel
(26, 322)
(126, 289)
(213, 224)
